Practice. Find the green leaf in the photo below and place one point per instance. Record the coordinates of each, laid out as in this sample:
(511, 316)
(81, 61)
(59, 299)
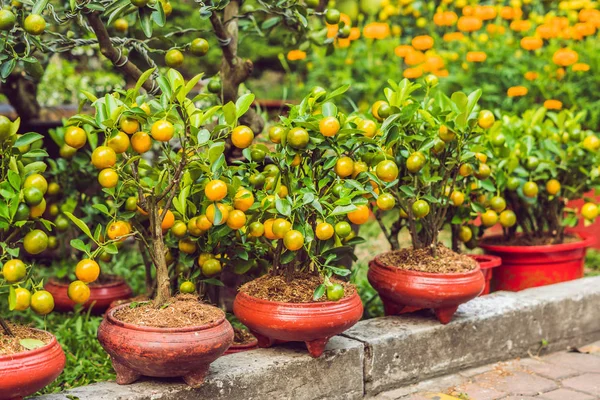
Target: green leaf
(213, 281)
(229, 112)
(27, 138)
(339, 210)
(283, 206)
(319, 292)
(31, 344)
(79, 245)
(12, 298)
(39, 6)
(142, 79)
(14, 179)
(35, 167)
(243, 104)
(329, 109)
(80, 224)
(7, 68)
(339, 271)
(110, 248)
(215, 151)
(146, 21)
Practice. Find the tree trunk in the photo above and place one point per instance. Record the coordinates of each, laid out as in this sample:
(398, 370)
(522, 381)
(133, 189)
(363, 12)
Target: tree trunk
(22, 95)
(163, 288)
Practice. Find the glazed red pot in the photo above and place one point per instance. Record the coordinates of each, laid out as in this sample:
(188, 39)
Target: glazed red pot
(486, 263)
(238, 348)
(25, 373)
(399, 288)
(312, 323)
(101, 295)
(531, 266)
(163, 352)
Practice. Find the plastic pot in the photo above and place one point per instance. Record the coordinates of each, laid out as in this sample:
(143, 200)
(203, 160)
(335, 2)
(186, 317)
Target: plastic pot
(315, 323)
(399, 289)
(25, 373)
(101, 295)
(525, 267)
(486, 263)
(163, 352)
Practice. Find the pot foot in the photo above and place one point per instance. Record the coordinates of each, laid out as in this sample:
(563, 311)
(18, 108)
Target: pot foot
(196, 379)
(316, 347)
(444, 315)
(263, 341)
(391, 308)
(125, 375)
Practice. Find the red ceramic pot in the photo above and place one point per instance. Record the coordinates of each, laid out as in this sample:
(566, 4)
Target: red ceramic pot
(399, 288)
(486, 263)
(163, 352)
(25, 373)
(101, 295)
(531, 266)
(238, 348)
(312, 323)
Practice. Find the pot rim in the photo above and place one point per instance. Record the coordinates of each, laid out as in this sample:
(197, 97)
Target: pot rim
(314, 304)
(27, 353)
(118, 282)
(379, 264)
(113, 320)
(495, 261)
(587, 241)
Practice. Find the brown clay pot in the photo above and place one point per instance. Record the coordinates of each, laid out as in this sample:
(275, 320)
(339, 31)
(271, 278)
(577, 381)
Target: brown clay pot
(101, 295)
(238, 348)
(399, 288)
(25, 373)
(163, 352)
(274, 322)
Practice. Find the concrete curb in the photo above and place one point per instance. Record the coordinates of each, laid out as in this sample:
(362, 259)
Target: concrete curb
(387, 353)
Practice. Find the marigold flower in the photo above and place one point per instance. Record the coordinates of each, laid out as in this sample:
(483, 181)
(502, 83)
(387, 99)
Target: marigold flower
(453, 36)
(494, 29)
(546, 31)
(469, 24)
(342, 43)
(510, 13)
(445, 18)
(412, 73)
(531, 43)
(531, 76)
(354, 33)
(553, 105)
(423, 42)
(376, 30)
(476, 56)
(433, 63)
(485, 13)
(442, 73)
(584, 29)
(295, 55)
(403, 50)
(581, 67)
(520, 25)
(516, 91)
(414, 57)
(565, 57)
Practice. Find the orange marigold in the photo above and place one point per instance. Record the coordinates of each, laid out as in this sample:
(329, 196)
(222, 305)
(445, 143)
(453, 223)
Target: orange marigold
(485, 13)
(412, 73)
(354, 34)
(581, 67)
(546, 31)
(469, 24)
(531, 43)
(403, 50)
(445, 18)
(476, 56)
(553, 104)
(376, 30)
(494, 29)
(414, 57)
(531, 76)
(520, 25)
(565, 57)
(423, 42)
(295, 55)
(516, 91)
(510, 13)
(453, 36)
(584, 29)
(433, 63)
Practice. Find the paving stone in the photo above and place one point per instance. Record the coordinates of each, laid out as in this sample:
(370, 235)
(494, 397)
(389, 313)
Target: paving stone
(521, 398)
(588, 383)
(515, 383)
(565, 394)
(548, 370)
(578, 361)
(477, 392)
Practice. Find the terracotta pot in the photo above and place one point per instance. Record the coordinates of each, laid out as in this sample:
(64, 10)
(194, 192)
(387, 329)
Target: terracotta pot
(163, 352)
(238, 348)
(399, 288)
(486, 263)
(531, 266)
(25, 373)
(101, 295)
(274, 322)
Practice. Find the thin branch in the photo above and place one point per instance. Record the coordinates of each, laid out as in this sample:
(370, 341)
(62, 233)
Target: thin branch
(225, 40)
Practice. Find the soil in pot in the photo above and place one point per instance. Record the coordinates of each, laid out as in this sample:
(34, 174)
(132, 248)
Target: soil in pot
(278, 311)
(29, 361)
(180, 339)
(300, 289)
(408, 280)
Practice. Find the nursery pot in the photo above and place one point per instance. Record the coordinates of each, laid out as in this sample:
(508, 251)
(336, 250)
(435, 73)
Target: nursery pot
(531, 266)
(312, 323)
(25, 373)
(101, 295)
(486, 263)
(163, 352)
(238, 348)
(399, 288)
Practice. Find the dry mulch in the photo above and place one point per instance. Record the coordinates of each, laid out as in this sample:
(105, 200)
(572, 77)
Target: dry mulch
(182, 311)
(242, 336)
(10, 344)
(531, 241)
(299, 289)
(445, 262)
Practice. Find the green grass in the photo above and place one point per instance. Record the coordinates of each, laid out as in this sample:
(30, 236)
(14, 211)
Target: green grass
(592, 262)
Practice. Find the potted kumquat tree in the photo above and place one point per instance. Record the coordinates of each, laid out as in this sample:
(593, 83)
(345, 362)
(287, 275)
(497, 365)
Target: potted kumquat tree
(29, 358)
(546, 162)
(434, 146)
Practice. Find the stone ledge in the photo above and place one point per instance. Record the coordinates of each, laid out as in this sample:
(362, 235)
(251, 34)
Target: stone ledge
(388, 353)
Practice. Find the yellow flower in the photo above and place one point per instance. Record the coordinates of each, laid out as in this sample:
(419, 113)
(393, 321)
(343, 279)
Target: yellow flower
(581, 67)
